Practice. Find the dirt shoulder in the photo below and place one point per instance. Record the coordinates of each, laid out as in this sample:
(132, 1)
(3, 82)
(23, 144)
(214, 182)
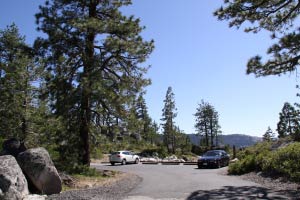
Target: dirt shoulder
(111, 188)
(279, 184)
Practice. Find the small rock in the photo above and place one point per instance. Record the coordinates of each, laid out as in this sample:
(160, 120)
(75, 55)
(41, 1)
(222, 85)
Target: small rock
(259, 173)
(67, 180)
(107, 173)
(234, 160)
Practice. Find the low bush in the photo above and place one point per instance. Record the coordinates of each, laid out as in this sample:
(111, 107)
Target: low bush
(261, 157)
(96, 153)
(251, 159)
(199, 150)
(85, 171)
(285, 161)
(2, 139)
(245, 165)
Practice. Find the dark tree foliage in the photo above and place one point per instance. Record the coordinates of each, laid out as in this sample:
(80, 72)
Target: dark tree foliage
(207, 123)
(183, 144)
(17, 74)
(168, 115)
(93, 55)
(288, 124)
(174, 139)
(147, 128)
(138, 121)
(268, 135)
(153, 135)
(278, 17)
(201, 125)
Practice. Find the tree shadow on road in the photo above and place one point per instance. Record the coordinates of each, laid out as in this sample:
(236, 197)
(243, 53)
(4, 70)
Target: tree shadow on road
(246, 192)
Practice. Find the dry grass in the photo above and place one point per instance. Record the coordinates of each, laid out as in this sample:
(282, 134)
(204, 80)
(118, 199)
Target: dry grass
(85, 182)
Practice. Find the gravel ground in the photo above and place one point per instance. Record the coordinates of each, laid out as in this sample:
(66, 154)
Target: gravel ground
(114, 190)
(278, 184)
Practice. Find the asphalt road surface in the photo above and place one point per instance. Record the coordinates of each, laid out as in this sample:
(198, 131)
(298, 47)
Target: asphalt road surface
(178, 182)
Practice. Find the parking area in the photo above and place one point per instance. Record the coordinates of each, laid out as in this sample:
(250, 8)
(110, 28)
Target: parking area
(175, 181)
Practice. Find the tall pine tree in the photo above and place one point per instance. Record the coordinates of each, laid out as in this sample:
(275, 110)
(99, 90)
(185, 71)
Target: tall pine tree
(288, 121)
(93, 57)
(207, 123)
(143, 116)
(168, 115)
(17, 74)
(268, 135)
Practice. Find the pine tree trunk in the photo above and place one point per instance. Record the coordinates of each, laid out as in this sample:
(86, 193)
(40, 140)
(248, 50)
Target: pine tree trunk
(173, 143)
(167, 142)
(86, 90)
(24, 121)
(211, 135)
(24, 118)
(172, 137)
(206, 135)
(84, 129)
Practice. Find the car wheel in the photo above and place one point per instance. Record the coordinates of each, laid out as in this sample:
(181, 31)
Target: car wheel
(112, 163)
(137, 161)
(199, 167)
(123, 162)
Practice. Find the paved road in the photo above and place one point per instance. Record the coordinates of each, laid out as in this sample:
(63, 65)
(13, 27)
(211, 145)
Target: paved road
(172, 182)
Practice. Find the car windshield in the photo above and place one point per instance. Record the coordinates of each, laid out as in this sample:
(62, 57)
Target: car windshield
(211, 153)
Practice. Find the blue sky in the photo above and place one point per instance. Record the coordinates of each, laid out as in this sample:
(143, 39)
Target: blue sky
(200, 58)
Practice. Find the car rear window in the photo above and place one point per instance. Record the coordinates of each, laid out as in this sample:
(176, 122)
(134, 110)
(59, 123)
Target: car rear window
(115, 153)
(213, 153)
(210, 154)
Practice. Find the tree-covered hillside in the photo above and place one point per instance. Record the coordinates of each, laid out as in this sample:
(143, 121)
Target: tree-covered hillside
(239, 140)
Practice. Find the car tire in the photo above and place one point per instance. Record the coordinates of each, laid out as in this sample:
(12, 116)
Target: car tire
(137, 161)
(112, 163)
(123, 162)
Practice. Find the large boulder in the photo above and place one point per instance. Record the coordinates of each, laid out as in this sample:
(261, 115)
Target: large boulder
(12, 147)
(13, 184)
(40, 170)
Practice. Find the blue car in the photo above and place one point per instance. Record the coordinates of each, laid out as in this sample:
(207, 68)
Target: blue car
(214, 158)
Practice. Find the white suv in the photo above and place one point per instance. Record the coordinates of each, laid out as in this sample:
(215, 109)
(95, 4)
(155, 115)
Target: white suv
(123, 157)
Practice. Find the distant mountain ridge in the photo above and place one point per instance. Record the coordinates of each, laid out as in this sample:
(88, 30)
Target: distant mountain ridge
(239, 140)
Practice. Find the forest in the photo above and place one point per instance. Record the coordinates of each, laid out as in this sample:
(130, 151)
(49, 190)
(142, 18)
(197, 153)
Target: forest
(79, 90)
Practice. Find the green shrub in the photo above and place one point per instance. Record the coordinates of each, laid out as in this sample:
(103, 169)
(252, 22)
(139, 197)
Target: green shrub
(199, 150)
(264, 162)
(96, 153)
(162, 151)
(85, 171)
(251, 159)
(245, 165)
(285, 161)
(2, 139)
(235, 168)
